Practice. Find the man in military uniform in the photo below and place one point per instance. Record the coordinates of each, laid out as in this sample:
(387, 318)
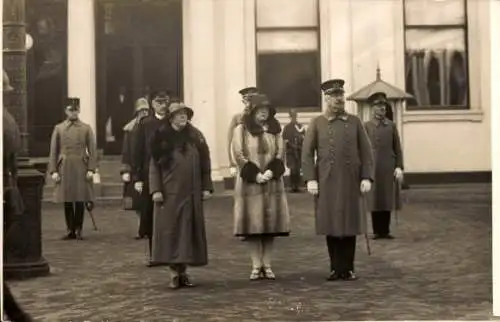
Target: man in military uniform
(384, 137)
(338, 178)
(293, 135)
(245, 93)
(142, 155)
(72, 164)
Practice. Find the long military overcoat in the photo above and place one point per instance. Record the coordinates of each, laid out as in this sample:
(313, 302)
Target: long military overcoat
(388, 155)
(180, 169)
(72, 154)
(343, 159)
(129, 142)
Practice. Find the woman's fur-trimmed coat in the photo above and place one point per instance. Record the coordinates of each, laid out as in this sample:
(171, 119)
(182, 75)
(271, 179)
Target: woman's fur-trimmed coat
(259, 209)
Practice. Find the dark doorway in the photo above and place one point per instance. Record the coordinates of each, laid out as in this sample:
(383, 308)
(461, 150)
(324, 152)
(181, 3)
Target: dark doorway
(46, 69)
(139, 47)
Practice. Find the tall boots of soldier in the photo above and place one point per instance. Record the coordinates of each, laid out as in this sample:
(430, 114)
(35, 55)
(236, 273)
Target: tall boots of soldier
(341, 251)
(381, 222)
(73, 213)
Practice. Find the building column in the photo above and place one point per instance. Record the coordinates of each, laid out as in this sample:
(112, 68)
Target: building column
(495, 146)
(200, 72)
(81, 58)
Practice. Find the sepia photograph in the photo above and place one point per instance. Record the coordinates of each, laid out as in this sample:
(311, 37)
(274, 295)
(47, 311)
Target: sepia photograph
(249, 160)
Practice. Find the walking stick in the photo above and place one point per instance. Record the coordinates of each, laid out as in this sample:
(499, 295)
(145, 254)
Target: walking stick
(365, 205)
(397, 192)
(90, 206)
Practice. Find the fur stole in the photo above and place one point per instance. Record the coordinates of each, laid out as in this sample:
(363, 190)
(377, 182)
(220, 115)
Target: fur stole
(165, 141)
(273, 126)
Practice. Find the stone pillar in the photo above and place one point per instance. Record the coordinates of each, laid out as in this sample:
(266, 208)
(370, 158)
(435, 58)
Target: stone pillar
(81, 58)
(200, 71)
(494, 17)
(22, 232)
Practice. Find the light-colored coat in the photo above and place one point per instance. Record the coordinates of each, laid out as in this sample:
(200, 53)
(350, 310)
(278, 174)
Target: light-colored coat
(386, 192)
(259, 209)
(344, 159)
(72, 154)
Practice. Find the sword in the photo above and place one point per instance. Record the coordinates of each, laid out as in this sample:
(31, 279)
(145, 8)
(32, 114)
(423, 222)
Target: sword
(90, 206)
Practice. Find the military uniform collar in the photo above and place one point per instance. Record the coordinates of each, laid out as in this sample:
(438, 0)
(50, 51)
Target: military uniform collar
(344, 117)
(383, 121)
(68, 122)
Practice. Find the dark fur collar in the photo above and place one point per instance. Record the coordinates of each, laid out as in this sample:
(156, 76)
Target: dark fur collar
(273, 126)
(166, 140)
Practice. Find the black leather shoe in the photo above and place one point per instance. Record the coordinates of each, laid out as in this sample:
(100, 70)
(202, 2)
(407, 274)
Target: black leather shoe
(349, 276)
(69, 235)
(185, 282)
(175, 283)
(388, 236)
(334, 276)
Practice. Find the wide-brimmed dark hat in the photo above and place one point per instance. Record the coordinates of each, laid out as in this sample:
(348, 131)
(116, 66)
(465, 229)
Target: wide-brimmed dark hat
(176, 107)
(261, 100)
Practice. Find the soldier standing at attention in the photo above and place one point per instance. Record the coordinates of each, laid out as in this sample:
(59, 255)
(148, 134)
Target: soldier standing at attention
(338, 178)
(245, 93)
(293, 134)
(72, 164)
(385, 195)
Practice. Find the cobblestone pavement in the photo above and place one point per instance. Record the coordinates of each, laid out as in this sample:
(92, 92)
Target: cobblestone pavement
(438, 267)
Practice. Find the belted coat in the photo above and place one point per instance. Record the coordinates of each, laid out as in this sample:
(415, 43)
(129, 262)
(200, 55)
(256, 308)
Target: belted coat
(72, 154)
(343, 159)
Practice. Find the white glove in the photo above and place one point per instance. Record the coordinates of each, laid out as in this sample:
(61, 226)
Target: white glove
(287, 172)
(206, 195)
(90, 175)
(268, 175)
(233, 171)
(260, 178)
(138, 186)
(56, 177)
(312, 187)
(157, 197)
(366, 186)
(398, 173)
(126, 177)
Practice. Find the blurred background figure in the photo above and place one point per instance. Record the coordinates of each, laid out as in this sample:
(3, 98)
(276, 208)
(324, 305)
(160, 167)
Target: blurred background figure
(293, 135)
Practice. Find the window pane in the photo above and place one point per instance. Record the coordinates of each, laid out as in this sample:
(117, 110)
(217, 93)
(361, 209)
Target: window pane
(435, 12)
(287, 41)
(287, 13)
(290, 79)
(436, 68)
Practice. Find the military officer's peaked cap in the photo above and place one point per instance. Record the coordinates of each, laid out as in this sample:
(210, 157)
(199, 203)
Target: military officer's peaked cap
(377, 98)
(72, 103)
(252, 90)
(333, 86)
(161, 94)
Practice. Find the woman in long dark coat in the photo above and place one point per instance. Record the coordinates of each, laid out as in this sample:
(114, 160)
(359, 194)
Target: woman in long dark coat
(260, 204)
(130, 195)
(180, 179)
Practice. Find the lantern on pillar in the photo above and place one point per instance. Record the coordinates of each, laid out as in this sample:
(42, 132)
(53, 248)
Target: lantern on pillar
(396, 98)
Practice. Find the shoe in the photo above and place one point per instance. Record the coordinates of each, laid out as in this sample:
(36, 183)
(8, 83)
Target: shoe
(388, 236)
(139, 237)
(175, 283)
(268, 273)
(69, 235)
(255, 274)
(349, 276)
(334, 276)
(185, 282)
(79, 235)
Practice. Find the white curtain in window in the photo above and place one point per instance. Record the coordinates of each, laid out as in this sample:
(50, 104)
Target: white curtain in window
(287, 13)
(435, 12)
(286, 41)
(450, 39)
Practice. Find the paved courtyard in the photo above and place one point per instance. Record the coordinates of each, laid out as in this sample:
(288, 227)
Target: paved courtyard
(438, 267)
